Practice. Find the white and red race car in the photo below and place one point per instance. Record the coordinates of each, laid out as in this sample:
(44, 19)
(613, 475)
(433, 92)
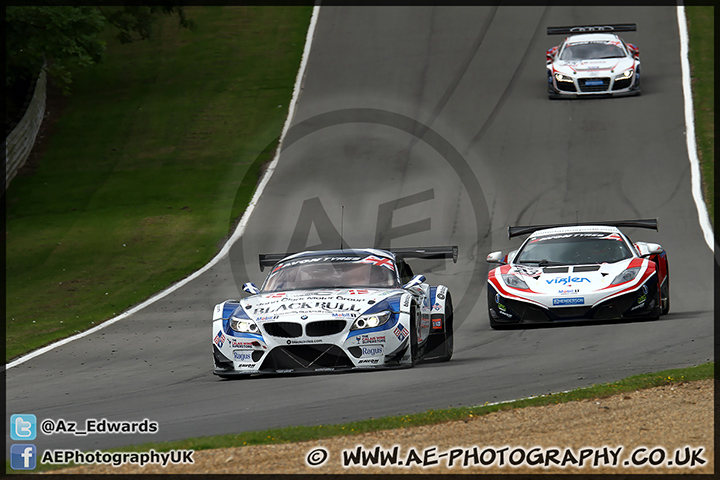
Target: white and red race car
(578, 272)
(593, 61)
(332, 310)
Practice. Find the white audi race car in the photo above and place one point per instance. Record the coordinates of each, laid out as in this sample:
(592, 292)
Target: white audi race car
(578, 272)
(593, 61)
(331, 310)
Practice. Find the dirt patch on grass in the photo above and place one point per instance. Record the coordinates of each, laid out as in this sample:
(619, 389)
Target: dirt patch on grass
(674, 417)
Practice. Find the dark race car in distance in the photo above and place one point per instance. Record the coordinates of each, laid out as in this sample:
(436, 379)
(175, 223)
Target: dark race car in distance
(578, 272)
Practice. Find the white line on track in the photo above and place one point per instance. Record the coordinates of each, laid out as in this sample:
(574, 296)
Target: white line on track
(696, 184)
(238, 231)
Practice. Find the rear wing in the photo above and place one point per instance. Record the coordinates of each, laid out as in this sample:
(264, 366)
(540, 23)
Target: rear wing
(651, 223)
(431, 253)
(270, 259)
(578, 29)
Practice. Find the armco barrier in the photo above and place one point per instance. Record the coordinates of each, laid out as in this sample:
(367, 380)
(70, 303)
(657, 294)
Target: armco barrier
(20, 141)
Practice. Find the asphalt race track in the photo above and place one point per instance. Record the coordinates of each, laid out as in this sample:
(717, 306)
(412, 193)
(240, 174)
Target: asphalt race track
(420, 126)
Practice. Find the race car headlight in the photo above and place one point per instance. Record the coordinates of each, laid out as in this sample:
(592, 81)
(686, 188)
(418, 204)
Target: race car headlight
(371, 321)
(563, 78)
(243, 325)
(626, 276)
(514, 281)
(625, 75)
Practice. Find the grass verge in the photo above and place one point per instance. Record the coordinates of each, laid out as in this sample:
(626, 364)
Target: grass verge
(154, 157)
(430, 417)
(701, 32)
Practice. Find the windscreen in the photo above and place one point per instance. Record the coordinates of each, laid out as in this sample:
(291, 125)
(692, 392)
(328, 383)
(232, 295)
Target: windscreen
(591, 51)
(574, 249)
(332, 272)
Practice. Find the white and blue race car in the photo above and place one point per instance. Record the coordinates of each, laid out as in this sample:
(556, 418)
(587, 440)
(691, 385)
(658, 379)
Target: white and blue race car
(593, 61)
(331, 310)
(578, 272)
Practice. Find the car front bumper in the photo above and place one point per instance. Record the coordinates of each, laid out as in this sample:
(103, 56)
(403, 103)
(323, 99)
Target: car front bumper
(237, 354)
(639, 303)
(589, 87)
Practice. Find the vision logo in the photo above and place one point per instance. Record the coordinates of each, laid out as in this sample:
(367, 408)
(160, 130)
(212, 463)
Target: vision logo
(567, 280)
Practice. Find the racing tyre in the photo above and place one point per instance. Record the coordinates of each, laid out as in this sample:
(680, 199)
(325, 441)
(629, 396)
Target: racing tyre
(637, 89)
(449, 342)
(441, 344)
(552, 94)
(657, 311)
(413, 336)
(665, 295)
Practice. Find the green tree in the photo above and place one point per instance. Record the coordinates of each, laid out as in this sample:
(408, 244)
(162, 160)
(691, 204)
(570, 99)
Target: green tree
(52, 36)
(62, 36)
(135, 22)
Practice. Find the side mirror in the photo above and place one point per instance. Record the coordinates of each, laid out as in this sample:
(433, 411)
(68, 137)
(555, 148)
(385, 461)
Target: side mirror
(250, 288)
(494, 257)
(550, 54)
(634, 50)
(647, 249)
(654, 249)
(416, 280)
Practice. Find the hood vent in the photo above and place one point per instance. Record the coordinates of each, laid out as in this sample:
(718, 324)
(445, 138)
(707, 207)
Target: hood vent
(586, 268)
(555, 270)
